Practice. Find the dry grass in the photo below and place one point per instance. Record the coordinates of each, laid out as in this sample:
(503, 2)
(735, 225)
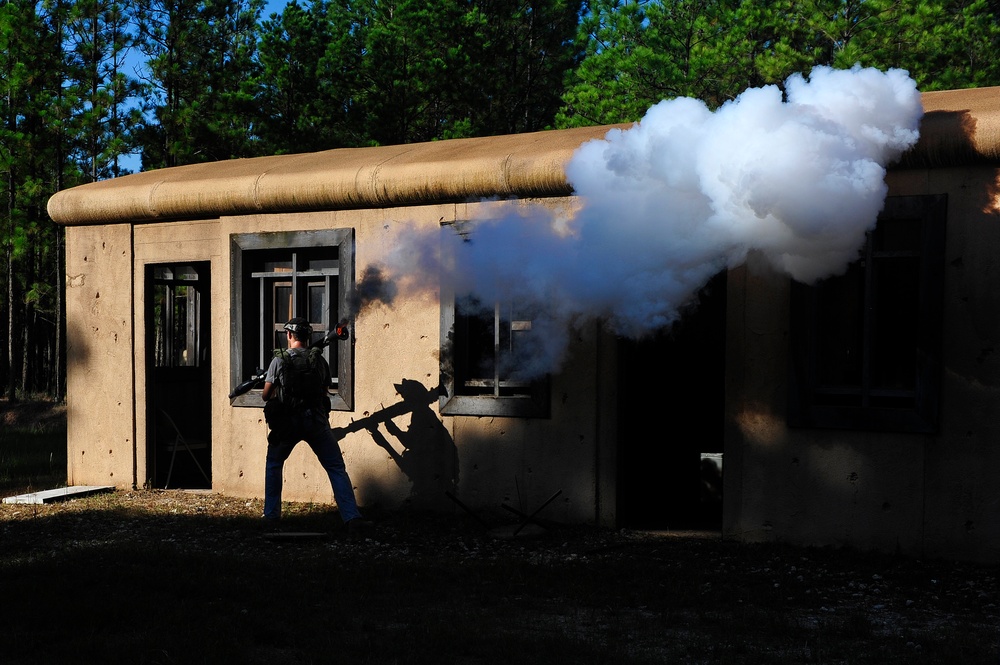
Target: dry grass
(32, 414)
(32, 446)
(185, 577)
(169, 577)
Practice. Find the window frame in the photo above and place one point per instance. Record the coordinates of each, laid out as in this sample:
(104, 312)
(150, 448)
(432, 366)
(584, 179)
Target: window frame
(533, 403)
(805, 409)
(194, 330)
(343, 241)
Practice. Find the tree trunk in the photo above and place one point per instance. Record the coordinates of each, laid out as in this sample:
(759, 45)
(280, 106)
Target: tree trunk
(11, 314)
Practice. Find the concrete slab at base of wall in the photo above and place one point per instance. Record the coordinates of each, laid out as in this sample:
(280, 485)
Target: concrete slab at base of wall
(60, 494)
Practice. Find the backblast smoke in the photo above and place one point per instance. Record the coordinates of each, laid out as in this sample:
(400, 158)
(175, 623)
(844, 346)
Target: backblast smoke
(374, 286)
(683, 194)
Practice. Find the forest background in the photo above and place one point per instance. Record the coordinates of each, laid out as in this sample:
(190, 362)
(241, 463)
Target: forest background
(94, 89)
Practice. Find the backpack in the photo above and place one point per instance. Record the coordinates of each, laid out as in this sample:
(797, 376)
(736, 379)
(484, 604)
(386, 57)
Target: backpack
(302, 384)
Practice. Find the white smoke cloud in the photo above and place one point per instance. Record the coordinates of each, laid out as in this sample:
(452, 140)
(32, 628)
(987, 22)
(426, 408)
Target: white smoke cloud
(683, 194)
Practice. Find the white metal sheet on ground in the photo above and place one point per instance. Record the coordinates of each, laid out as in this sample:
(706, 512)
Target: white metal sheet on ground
(59, 494)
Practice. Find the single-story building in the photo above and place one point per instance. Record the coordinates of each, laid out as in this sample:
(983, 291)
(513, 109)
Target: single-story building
(854, 412)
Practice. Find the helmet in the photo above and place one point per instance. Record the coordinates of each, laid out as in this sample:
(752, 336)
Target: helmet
(300, 328)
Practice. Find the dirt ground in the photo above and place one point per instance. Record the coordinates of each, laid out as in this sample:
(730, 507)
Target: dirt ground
(625, 596)
(183, 576)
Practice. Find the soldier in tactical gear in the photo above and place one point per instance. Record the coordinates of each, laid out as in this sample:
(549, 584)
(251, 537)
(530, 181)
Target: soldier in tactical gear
(297, 407)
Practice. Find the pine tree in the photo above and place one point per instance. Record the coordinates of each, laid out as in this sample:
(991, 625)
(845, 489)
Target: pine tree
(310, 58)
(516, 55)
(98, 43)
(637, 53)
(198, 95)
(31, 151)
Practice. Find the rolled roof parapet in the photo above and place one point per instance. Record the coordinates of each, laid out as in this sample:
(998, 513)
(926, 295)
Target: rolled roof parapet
(519, 165)
(959, 127)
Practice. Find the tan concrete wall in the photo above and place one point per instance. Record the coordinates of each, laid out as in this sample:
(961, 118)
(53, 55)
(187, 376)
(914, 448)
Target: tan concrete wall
(962, 498)
(99, 356)
(410, 462)
(484, 461)
(389, 345)
(524, 462)
(919, 494)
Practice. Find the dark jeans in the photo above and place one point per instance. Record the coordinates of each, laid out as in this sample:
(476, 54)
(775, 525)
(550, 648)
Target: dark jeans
(315, 431)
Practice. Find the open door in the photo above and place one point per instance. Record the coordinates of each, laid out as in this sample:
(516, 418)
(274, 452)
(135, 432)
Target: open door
(178, 371)
(671, 407)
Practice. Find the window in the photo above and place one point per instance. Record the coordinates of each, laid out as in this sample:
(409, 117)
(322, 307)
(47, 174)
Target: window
(277, 276)
(485, 345)
(866, 346)
(178, 328)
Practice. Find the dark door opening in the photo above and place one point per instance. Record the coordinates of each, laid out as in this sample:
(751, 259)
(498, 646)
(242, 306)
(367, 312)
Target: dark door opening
(671, 408)
(178, 370)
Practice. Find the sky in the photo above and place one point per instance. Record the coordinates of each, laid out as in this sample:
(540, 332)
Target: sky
(273, 7)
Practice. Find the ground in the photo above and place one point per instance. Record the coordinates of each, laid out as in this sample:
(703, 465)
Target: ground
(173, 576)
(29, 414)
(194, 577)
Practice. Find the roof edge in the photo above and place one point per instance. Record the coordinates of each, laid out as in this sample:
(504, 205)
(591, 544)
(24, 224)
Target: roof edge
(959, 127)
(459, 170)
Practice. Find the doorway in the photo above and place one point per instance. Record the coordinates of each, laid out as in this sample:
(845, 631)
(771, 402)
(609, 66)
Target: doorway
(671, 410)
(178, 370)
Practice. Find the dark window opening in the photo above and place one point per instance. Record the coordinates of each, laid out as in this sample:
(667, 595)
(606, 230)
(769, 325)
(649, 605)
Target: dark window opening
(866, 345)
(290, 283)
(489, 341)
(486, 348)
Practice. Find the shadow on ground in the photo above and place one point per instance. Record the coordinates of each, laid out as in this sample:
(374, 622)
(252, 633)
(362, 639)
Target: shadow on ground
(168, 577)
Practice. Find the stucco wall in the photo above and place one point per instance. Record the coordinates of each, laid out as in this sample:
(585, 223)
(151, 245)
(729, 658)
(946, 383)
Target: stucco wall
(962, 502)
(919, 494)
(408, 460)
(99, 356)
(390, 345)
(415, 459)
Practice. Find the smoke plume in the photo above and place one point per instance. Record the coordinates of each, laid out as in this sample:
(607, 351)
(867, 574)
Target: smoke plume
(684, 193)
(373, 287)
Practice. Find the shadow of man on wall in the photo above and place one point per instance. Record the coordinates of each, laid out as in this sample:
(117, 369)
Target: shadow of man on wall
(424, 450)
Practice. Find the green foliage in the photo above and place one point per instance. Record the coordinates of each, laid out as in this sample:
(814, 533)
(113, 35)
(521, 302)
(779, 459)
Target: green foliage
(198, 96)
(309, 71)
(641, 51)
(34, 108)
(380, 72)
(414, 56)
(517, 56)
(97, 42)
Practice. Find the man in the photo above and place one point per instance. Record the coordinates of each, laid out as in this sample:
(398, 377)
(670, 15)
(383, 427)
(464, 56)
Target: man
(297, 408)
